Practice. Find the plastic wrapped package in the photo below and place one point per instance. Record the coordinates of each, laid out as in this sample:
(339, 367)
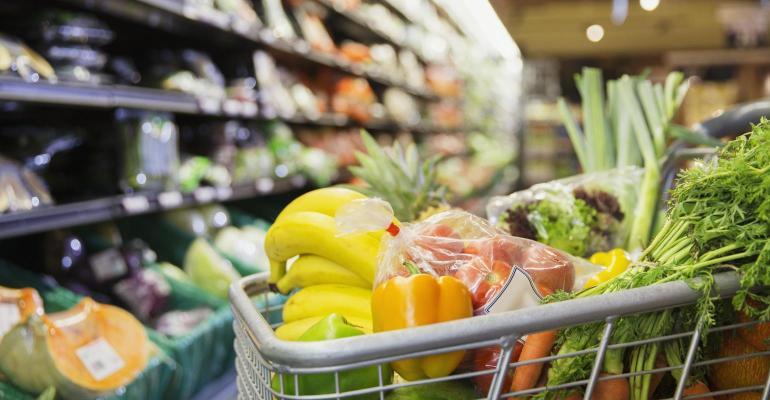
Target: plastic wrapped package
(275, 98)
(401, 106)
(411, 69)
(150, 150)
(354, 98)
(20, 59)
(310, 19)
(502, 272)
(276, 19)
(581, 215)
(20, 188)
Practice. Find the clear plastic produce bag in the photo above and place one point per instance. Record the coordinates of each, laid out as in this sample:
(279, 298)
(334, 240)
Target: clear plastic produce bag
(502, 272)
(581, 215)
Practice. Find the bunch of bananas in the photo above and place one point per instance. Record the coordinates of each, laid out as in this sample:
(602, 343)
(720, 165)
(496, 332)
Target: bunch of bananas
(333, 272)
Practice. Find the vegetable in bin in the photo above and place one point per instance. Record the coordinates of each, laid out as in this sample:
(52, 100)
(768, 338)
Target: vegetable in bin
(333, 326)
(717, 220)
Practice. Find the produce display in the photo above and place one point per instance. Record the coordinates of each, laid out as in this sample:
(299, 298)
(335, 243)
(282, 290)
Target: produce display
(88, 351)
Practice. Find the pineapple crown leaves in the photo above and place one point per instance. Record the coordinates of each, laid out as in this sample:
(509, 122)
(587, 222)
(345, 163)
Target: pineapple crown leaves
(396, 175)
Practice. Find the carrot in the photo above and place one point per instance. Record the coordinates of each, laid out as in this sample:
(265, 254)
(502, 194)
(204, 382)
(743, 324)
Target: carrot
(611, 389)
(699, 387)
(536, 346)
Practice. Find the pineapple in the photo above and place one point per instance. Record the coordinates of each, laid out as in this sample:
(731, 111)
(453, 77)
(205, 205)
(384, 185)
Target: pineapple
(396, 175)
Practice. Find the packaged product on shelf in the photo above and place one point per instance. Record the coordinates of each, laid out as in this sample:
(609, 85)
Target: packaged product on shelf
(384, 57)
(150, 150)
(581, 215)
(209, 270)
(181, 322)
(240, 10)
(401, 106)
(310, 16)
(443, 79)
(73, 43)
(284, 147)
(16, 57)
(20, 188)
(354, 98)
(411, 69)
(274, 97)
(188, 71)
(355, 52)
(276, 19)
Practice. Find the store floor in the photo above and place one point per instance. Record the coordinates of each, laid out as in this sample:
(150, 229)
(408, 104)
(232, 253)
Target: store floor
(223, 388)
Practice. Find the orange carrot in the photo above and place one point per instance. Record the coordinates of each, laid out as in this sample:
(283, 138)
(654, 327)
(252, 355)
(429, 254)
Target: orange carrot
(537, 345)
(611, 389)
(699, 387)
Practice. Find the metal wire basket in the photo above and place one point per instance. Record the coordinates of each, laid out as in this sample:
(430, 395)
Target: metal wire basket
(261, 355)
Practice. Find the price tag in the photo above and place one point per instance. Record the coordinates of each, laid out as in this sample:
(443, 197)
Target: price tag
(100, 359)
(249, 109)
(518, 292)
(107, 265)
(135, 204)
(9, 316)
(204, 194)
(231, 106)
(170, 199)
(264, 185)
(224, 192)
(241, 26)
(209, 105)
(298, 181)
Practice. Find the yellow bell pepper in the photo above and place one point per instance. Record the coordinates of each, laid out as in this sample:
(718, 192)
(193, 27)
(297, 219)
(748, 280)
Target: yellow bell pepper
(421, 299)
(616, 262)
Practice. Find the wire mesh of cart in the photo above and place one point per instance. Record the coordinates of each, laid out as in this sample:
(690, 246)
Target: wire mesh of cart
(261, 356)
(269, 368)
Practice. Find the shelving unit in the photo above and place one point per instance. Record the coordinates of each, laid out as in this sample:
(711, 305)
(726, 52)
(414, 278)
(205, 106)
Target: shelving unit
(108, 208)
(176, 18)
(117, 96)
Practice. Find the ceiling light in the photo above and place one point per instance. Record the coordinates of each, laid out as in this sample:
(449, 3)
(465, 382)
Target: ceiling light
(649, 5)
(595, 33)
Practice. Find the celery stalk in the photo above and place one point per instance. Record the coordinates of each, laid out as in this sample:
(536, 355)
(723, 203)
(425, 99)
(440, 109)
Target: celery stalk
(575, 134)
(598, 139)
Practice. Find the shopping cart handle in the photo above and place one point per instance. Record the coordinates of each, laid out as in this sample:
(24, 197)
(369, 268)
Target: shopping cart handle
(736, 120)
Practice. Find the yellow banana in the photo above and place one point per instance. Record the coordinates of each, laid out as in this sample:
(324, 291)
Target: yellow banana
(322, 300)
(311, 270)
(308, 232)
(325, 201)
(293, 330)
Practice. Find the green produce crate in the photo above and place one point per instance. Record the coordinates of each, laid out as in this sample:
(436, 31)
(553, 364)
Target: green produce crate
(206, 352)
(171, 243)
(151, 384)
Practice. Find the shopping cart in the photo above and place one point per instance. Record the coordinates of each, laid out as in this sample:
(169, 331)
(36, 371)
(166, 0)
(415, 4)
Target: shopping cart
(261, 356)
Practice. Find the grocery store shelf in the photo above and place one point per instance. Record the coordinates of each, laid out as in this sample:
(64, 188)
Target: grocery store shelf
(115, 96)
(362, 24)
(103, 209)
(182, 18)
(100, 96)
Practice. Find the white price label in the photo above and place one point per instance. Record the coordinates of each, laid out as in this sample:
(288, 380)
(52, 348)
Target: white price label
(231, 107)
(170, 199)
(204, 194)
(100, 359)
(249, 109)
(518, 292)
(209, 105)
(224, 192)
(241, 26)
(108, 264)
(9, 316)
(265, 185)
(135, 204)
